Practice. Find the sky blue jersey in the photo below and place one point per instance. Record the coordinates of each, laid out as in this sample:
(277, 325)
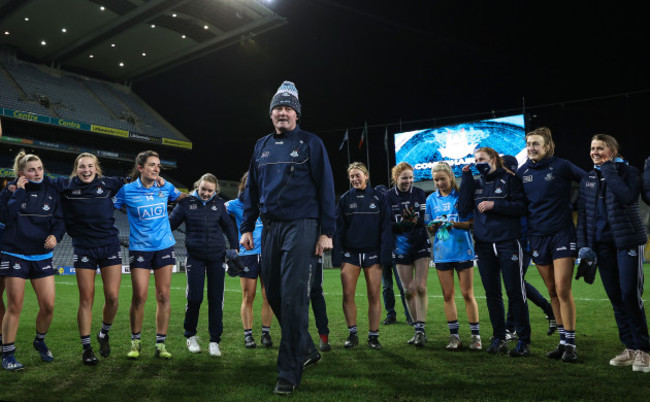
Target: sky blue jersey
(458, 247)
(235, 208)
(147, 212)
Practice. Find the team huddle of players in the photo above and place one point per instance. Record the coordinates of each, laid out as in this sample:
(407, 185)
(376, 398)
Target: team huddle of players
(513, 213)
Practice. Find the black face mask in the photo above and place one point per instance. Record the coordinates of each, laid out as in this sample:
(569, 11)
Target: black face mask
(483, 168)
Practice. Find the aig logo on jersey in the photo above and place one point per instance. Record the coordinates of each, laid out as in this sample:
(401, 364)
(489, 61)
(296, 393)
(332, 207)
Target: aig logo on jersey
(155, 211)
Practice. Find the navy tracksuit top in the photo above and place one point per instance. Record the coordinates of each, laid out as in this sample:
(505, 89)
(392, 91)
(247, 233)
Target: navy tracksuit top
(363, 224)
(88, 210)
(547, 185)
(205, 225)
(621, 212)
(30, 216)
(290, 178)
(415, 198)
(503, 222)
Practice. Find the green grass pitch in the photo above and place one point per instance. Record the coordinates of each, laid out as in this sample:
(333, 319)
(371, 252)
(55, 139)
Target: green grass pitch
(398, 372)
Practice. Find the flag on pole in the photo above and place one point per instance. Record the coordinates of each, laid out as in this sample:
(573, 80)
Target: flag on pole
(363, 136)
(345, 139)
(386, 140)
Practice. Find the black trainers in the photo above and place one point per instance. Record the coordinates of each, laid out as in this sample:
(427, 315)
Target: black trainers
(283, 387)
(498, 347)
(552, 325)
(249, 342)
(390, 320)
(104, 346)
(419, 340)
(373, 343)
(352, 341)
(521, 350)
(88, 357)
(569, 355)
(266, 340)
(312, 358)
(556, 353)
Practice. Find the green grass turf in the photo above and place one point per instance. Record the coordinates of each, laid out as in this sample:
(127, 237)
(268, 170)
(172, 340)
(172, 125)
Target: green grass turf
(398, 372)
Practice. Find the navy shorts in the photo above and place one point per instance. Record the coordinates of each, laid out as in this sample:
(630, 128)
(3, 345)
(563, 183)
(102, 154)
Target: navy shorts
(91, 258)
(423, 251)
(15, 266)
(152, 259)
(456, 265)
(363, 260)
(253, 263)
(561, 244)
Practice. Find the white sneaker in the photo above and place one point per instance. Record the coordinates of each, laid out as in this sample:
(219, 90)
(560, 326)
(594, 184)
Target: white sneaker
(641, 361)
(193, 344)
(214, 349)
(476, 343)
(454, 343)
(626, 358)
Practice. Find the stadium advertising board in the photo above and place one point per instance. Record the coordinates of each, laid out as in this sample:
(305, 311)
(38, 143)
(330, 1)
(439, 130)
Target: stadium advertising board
(455, 144)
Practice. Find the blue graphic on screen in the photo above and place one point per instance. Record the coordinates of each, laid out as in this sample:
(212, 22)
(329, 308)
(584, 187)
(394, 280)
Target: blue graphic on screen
(456, 144)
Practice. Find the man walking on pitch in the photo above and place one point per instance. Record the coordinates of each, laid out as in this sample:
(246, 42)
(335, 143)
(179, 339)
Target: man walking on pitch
(290, 186)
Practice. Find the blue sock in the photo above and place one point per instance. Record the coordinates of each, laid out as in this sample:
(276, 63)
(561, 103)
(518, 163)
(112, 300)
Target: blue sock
(85, 342)
(453, 327)
(570, 337)
(561, 331)
(135, 336)
(352, 330)
(160, 338)
(475, 328)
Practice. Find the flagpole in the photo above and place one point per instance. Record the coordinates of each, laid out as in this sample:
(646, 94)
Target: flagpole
(387, 156)
(348, 141)
(365, 127)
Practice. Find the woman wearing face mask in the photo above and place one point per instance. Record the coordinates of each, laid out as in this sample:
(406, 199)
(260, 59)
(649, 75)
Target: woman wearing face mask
(206, 221)
(34, 226)
(87, 201)
(452, 252)
(551, 233)
(609, 223)
(362, 241)
(412, 247)
(151, 246)
(498, 202)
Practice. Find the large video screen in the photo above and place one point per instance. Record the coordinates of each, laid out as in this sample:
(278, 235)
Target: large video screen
(456, 144)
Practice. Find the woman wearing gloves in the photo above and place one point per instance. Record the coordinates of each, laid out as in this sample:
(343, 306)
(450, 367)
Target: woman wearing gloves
(206, 221)
(34, 226)
(362, 241)
(452, 251)
(498, 202)
(412, 247)
(551, 233)
(609, 223)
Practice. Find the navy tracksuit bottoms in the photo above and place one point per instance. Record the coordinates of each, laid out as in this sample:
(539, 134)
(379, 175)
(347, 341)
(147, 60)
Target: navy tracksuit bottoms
(318, 299)
(503, 259)
(196, 271)
(622, 274)
(288, 262)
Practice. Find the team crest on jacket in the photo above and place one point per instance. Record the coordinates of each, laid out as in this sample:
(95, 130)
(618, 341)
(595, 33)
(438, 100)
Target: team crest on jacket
(99, 190)
(193, 206)
(161, 194)
(372, 205)
(46, 207)
(353, 205)
(535, 253)
(498, 190)
(214, 208)
(294, 154)
(549, 177)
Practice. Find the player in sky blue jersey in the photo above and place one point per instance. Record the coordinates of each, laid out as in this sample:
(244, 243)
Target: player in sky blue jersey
(452, 251)
(248, 280)
(151, 246)
(412, 250)
(34, 226)
(87, 201)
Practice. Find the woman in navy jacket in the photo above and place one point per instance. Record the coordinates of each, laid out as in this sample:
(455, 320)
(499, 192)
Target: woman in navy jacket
(206, 221)
(87, 202)
(363, 240)
(609, 223)
(498, 203)
(551, 232)
(34, 226)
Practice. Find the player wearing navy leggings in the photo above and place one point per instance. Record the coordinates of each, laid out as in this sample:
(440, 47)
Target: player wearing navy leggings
(363, 241)
(609, 223)
(498, 202)
(206, 222)
(551, 232)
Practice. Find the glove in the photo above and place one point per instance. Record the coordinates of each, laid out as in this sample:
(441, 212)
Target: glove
(588, 265)
(234, 266)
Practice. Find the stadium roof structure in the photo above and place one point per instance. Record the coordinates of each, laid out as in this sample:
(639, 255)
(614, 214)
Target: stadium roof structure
(127, 40)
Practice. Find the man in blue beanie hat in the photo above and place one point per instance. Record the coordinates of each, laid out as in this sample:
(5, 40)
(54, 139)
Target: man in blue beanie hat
(291, 187)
